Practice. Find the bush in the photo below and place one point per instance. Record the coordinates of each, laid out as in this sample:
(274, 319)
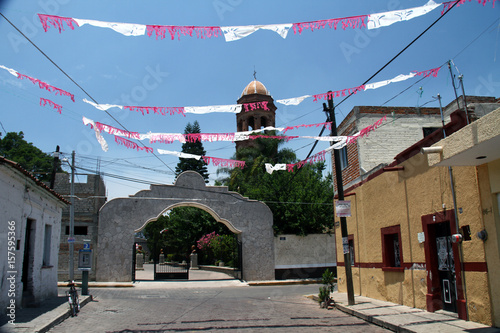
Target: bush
(328, 280)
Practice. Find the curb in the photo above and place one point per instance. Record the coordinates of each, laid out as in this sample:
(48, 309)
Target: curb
(368, 318)
(372, 319)
(63, 316)
(283, 282)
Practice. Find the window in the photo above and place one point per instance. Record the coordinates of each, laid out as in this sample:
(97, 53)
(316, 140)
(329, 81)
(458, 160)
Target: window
(46, 245)
(343, 158)
(78, 230)
(429, 130)
(391, 249)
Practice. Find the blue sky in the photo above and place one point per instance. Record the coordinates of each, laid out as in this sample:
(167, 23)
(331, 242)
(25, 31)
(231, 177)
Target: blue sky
(143, 71)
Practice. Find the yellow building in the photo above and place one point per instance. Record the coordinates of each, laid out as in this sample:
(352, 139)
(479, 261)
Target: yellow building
(404, 218)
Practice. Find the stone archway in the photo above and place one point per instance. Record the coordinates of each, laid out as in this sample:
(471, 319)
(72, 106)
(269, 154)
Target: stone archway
(119, 218)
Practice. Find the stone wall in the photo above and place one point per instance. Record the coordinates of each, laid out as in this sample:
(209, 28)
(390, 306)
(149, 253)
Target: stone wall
(302, 257)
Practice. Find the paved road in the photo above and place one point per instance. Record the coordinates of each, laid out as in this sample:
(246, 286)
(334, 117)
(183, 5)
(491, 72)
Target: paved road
(215, 306)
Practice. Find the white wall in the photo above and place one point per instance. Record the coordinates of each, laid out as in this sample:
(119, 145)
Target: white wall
(21, 199)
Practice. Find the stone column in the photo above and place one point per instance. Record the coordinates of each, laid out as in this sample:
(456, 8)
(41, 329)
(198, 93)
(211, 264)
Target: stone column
(194, 261)
(162, 257)
(139, 261)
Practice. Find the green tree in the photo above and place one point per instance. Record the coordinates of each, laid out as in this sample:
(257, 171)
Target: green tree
(15, 148)
(195, 148)
(185, 226)
(301, 201)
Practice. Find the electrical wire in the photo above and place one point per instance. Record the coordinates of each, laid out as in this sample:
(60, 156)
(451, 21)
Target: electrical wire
(403, 50)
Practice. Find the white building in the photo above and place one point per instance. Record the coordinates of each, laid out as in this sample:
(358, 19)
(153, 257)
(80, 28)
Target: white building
(29, 238)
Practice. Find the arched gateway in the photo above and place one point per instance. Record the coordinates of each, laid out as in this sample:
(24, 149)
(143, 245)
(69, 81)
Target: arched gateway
(119, 219)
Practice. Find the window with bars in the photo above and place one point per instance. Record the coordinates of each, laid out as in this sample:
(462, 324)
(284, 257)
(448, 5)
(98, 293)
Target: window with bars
(391, 248)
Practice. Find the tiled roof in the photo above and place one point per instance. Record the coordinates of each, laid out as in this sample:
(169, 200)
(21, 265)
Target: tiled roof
(28, 174)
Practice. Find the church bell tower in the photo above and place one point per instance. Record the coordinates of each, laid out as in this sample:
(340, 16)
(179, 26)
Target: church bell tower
(259, 115)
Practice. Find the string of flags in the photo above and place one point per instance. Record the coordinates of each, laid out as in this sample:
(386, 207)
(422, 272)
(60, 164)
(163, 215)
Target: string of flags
(231, 108)
(237, 108)
(121, 135)
(232, 33)
(342, 142)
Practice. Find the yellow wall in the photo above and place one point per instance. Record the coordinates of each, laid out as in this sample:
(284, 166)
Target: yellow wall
(402, 198)
(490, 175)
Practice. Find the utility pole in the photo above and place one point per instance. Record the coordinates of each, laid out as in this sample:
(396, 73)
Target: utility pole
(455, 91)
(340, 190)
(461, 79)
(71, 237)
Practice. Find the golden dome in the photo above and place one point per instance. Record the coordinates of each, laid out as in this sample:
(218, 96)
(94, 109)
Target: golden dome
(255, 87)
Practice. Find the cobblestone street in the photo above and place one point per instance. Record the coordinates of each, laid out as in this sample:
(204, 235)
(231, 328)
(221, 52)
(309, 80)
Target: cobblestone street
(215, 306)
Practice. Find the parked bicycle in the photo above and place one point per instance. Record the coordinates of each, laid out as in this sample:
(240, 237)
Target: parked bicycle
(74, 302)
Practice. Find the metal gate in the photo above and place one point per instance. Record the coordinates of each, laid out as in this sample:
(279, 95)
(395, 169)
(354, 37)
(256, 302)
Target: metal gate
(171, 271)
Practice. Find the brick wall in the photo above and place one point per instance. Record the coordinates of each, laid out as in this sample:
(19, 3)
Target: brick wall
(403, 128)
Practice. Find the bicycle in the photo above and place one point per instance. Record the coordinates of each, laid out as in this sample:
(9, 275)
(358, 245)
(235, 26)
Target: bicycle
(74, 302)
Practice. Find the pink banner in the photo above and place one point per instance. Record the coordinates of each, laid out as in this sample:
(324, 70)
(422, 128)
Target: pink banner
(132, 145)
(429, 72)
(223, 162)
(113, 130)
(332, 94)
(447, 5)
(156, 110)
(365, 131)
(327, 125)
(255, 106)
(56, 22)
(54, 105)
(201, 32)
(352, 21)
(313, 159)
(46, 86)
(210, 137)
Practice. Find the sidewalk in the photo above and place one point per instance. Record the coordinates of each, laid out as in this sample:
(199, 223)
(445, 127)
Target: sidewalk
(400, 318)
(43, 318)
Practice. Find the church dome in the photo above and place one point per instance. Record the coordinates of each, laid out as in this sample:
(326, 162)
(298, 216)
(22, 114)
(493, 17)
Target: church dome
(255, 87)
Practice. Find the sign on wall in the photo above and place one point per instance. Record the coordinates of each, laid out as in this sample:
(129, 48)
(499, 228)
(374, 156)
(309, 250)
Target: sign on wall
(343, 208)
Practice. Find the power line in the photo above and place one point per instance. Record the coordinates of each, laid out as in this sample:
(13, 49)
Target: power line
(3, 128)
(401, 52)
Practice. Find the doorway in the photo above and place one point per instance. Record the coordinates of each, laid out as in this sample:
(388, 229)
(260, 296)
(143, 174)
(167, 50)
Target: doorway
(446, 266)
(444, 286)
(28, 260)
